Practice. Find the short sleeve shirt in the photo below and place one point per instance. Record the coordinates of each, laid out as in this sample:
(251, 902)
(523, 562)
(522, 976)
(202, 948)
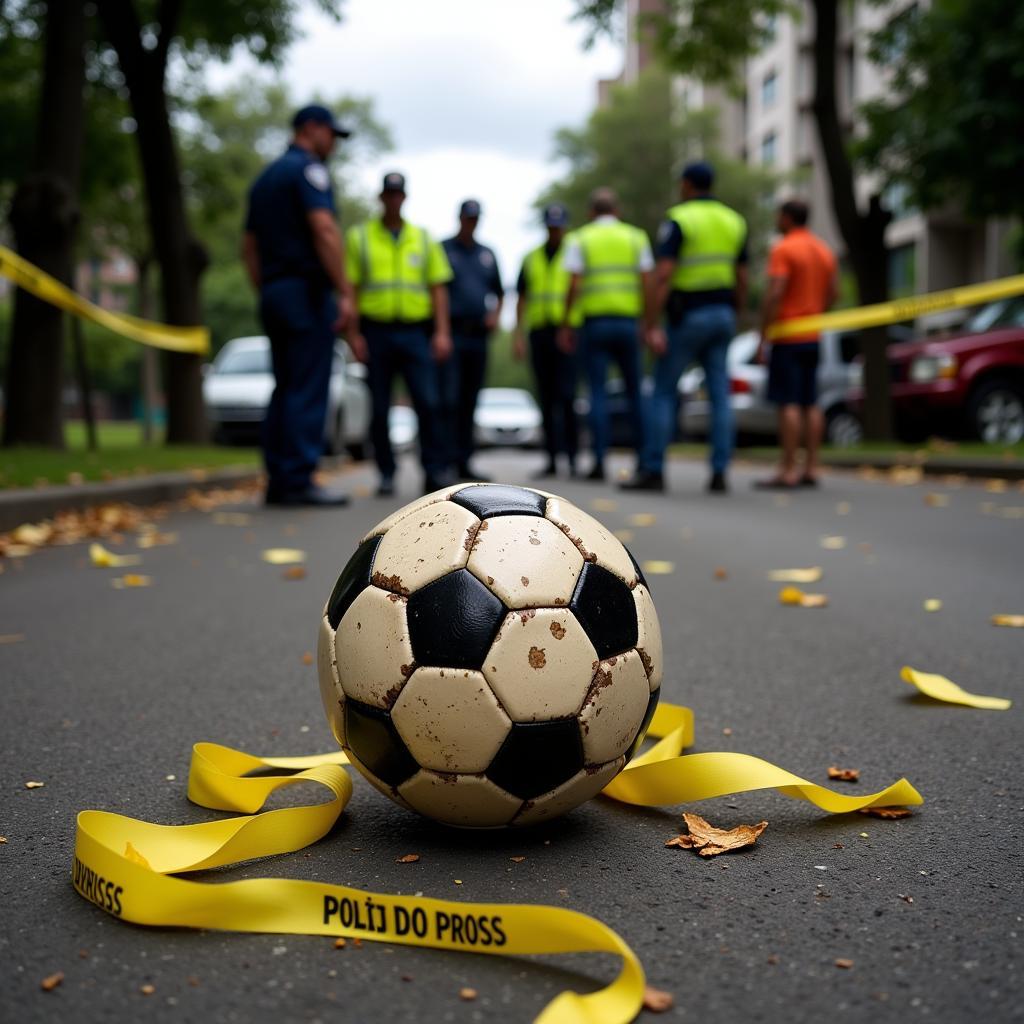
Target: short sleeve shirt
(280, 202)
(809, 266)
(475, 277)
(573, 258)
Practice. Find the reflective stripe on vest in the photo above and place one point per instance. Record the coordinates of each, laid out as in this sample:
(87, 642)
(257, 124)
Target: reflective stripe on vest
(547, 284)
(394, 273)
(611, 274)
(713, 236)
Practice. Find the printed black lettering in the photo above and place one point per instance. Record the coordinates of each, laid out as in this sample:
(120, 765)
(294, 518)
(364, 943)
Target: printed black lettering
(442, 922)
(501, 938)
(108, 898)
(457, 928)
(472, 931)
(419, 922)
(346, 912)
(485, 932)
(402, 921)
(330, 907)
(117, 899)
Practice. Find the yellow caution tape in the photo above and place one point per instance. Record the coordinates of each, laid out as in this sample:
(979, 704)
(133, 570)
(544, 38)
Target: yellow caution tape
(30, 278)
(940, 688)
(900, 309)
(126, 866)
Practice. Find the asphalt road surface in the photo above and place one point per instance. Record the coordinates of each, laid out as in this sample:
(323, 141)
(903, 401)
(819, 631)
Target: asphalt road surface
(109, 689)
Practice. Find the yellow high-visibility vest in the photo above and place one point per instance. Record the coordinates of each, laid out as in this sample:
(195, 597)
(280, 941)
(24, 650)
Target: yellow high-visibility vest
(547, 284)
(394, 275)
(611, 283)
(713, 236)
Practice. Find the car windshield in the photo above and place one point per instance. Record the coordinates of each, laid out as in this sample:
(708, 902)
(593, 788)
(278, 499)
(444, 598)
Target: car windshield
(1001, 313)
(244, 360)
(506, 400)
(743, 348)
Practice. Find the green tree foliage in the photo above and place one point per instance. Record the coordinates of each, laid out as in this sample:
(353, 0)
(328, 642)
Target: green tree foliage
(951, 128)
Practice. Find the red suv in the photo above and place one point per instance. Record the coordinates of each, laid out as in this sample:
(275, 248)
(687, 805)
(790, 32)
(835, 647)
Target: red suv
(972, 383)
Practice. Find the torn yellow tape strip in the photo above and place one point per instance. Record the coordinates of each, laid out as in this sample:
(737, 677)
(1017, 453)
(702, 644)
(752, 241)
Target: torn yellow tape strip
(30, 278)
(898, 310)
(127, 867)
(940, 688)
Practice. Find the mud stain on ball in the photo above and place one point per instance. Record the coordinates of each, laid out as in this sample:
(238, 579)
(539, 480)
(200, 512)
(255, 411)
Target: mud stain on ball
(557, 630)
(537, 658)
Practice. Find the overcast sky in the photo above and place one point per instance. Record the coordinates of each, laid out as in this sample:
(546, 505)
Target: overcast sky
(473, 92)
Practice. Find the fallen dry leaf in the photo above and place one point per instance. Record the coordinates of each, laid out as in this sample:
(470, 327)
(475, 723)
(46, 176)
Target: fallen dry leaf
(604, 505)
(51, 981)
(844, 774)
(283, 556)
(294, 572)
(11, 638)
(3, 839)
(517, 860)
(906, 475)
(843, 508)
(307, 658)
(643, 519)
(995, 486)
(34, 785)
(131, 579)
(833, 543)
(154, 539)
(934, 500)
(467, 994)
(886, 812)
(624, 535)
(656, 1000)
(932, 604)
(147, 989)
(104, 559)
(906, 899)
(721, 574)
(811, 575)
(709, 841)
(408, 858)
(844, 964)
(340, 943)
(1014, 621)
(658, 568)
(795, 596)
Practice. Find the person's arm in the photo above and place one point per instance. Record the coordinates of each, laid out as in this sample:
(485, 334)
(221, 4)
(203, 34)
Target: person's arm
(353, 274)
(770, 311)
(330, 249)
(493, 317)
(565, 339)
(251, 259)
(519, 334)
(441, 343)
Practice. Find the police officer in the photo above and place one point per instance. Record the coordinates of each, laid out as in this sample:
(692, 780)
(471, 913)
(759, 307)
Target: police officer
(399, 275)
(702, 265)
(611, 267)
(293, 253)
(542, 288)
(475, 296)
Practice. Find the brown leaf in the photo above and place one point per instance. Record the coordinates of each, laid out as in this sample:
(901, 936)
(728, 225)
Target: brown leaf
(409, 858)
(886, 812)
(721, 574)
(12, 638)
(844, 774)
(709, 841)
(340, 943)
(51, 981)
(467, 994)
(147, 989)
(517, 860)
(307, 658)
(657, 1000)
(844, 963)
(294, 572)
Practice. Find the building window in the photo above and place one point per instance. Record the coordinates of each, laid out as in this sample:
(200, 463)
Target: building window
(903, 270)
(768, 148)
(896, 199)
(769, 89)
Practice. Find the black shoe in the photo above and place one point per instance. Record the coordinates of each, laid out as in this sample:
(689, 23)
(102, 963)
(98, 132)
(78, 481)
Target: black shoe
(717, 484)
(644, 481)
(466, 472)
(546, 473)
(597, 473)
(433, 483)
(386, 487)
(312, 495)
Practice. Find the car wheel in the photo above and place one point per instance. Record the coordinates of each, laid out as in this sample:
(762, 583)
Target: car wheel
(995, 411)
(843, 429)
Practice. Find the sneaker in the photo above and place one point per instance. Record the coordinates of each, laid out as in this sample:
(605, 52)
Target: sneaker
(466, 472)
(386, 487)
(597, 473)
(717, 484)
(644, 481)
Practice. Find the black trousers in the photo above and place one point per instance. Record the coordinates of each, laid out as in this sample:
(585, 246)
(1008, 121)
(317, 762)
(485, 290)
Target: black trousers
(460, 378)
(556, 388)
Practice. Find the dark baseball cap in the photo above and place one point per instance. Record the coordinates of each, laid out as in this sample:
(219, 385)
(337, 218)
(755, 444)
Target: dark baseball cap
(469, 208)
(319, 115)
(394, 182)
(555, 216)
(700, 174)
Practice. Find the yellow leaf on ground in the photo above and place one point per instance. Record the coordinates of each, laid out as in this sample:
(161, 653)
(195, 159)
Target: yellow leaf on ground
(995, 486)
(1015, 621)
(283, 556)
(833, 543)
(795, 596)
(604, 505)
(104, 559)
(34, 785)
(132, 579)
(643, 519)
(33, 536)
(656, 568)
(154, 539)
(940, 688)
(709, 841)
(811, 575)
(932, 604)
(936, 500)
(843, 508)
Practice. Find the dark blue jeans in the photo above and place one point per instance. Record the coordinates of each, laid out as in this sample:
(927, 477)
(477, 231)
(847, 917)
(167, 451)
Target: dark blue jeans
(604, 339)
(555, 373)
(459, 381)
(397, 348)
(703, 336)
(297, 316)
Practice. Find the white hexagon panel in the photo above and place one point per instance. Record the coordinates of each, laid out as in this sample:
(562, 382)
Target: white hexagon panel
(428, 499)
(541, 664)
(594, 540)
(648, 643)
(372, 650)
(526, 560)
(450, 720)
(468, 800)
(614, 708)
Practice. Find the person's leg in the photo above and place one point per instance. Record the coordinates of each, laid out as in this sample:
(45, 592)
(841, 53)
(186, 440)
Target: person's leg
(271, 432)
(789, 440)
(814, 420)
(564, 371)
(419, 371)
(448, 374)
(814, 430)
(595, 365)
(380, 376)
(714, 327)
(542, 359)
(626, 349)
(661, 406)
(472, 370)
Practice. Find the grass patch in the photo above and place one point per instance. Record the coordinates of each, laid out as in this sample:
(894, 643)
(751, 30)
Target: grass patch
(121, 453)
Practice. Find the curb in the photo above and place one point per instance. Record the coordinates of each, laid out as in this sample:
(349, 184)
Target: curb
(977, 468)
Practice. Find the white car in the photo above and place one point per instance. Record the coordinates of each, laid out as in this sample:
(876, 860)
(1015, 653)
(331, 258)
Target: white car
(507, 417)
(238, 384)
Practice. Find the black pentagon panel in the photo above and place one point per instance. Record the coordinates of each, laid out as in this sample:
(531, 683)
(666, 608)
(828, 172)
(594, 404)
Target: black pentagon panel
(372, 737)
(453, 621)
(639, 572)
(354, 579)
(652, 706)
(500, 500)
(537, 757)
(605, 608)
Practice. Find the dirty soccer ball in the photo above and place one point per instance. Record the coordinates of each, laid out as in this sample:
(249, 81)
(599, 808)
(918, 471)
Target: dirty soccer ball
(489, 656)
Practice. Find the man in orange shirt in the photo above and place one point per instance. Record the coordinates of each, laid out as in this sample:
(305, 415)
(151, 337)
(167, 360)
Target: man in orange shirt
(802, 281)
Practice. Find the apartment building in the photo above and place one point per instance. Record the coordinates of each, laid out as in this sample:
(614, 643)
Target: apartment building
(771, 123)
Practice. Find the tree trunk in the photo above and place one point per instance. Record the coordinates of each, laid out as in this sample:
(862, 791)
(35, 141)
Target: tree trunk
(863, 233)
(149, 369)
(44, 217)
(181, 257)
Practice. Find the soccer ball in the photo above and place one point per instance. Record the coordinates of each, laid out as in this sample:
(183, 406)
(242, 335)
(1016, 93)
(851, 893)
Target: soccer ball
(490, 656)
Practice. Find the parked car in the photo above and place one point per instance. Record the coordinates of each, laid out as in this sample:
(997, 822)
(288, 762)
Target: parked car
(971, 383)
(748, 385)
(507, 417)
(403, 427)
(238, 384)
(620, 418)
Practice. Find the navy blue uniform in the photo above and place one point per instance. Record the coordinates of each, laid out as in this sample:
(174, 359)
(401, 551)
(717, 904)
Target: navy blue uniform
(476, 278)
(298, 311)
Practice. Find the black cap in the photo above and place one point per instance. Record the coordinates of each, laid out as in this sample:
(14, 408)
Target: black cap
(556, 216)
(394, 182)
(700, 174)
(319, 115)
(469, 208)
